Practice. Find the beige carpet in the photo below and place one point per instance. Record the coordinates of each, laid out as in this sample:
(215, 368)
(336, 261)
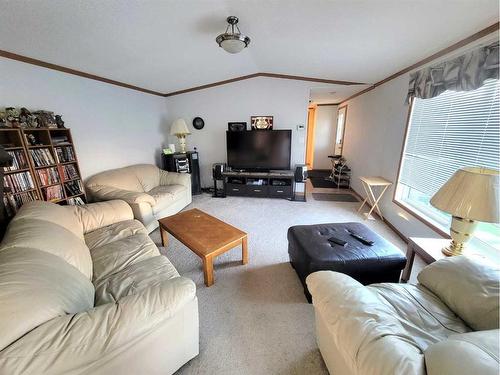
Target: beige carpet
(255, 318)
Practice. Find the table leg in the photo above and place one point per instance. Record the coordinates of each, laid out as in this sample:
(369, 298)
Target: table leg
(244, 250)
(366, 199)
(208, 270)
(164, 236)
(410, 257)
(375, 202)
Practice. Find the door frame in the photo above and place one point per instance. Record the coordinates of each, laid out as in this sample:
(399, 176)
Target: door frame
(311, 127)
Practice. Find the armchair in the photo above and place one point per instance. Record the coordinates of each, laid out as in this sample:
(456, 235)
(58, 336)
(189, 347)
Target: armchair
(152, 193)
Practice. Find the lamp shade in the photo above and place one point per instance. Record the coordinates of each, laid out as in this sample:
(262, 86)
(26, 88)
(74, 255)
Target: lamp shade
(471, 193)
(179, 127)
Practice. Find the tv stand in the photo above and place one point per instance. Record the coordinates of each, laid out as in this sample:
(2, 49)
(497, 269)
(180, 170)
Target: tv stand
(272, 184)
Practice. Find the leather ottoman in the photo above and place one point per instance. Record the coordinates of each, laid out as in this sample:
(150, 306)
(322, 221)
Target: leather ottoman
(310, 251)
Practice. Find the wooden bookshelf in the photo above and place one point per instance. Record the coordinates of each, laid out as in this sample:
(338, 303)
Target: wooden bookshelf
(59, 143)
(14, 197)
(46, 143)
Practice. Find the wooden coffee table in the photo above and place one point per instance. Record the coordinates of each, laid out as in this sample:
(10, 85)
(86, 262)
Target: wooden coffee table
(205, 235)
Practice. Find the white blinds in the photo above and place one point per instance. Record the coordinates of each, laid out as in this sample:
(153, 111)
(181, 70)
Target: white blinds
(451, 131)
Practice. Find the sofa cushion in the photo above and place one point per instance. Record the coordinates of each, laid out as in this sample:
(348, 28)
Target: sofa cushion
(115, 256)
(468, 286)
(121, 178)
(97, 215)
(49, 237)
(165, 195)
(136, 277)
(468, 353)
(114, 232)
(36, 286)
(53, 213)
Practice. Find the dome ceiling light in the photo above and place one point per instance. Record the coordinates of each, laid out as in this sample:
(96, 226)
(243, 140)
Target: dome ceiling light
(232, 41)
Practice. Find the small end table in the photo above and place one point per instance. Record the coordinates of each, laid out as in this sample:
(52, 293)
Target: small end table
(368, 184)
(429, 249)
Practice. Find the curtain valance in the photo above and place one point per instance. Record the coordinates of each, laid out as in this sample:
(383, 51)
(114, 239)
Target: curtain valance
(464, 73)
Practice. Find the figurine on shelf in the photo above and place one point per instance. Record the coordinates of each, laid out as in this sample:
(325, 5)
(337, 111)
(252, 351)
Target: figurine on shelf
(24, 115)
(59, 122)
(30, 138)
(12, 117)
(46, 119)
(3, 119)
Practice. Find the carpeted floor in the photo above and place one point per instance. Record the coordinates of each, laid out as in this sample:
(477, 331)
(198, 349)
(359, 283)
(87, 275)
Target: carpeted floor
(255, 318)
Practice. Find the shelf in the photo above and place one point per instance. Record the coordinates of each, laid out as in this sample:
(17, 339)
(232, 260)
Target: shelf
(12, 148)
(46, 186)
(63, 144)
(72, 179)
(21, 192)
(39, 146)
(46, 166)
(17, 171)
(57, 200)
(68, 162)
(74, 196)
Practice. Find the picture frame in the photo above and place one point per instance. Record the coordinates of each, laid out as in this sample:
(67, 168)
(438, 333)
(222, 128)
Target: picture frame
(262, 122)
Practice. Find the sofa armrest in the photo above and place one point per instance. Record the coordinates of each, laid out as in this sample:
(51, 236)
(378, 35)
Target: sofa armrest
(174, 178)
(366, 332)
(75, 343)
(97, 215)
(106, 193)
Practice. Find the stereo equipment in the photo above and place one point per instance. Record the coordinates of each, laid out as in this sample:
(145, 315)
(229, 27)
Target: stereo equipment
(184, 163)
(217, 170)
(236, 126)
(300, 173)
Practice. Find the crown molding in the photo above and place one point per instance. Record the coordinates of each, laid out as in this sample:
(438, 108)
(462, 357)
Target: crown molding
(480, 34)
(44, 64)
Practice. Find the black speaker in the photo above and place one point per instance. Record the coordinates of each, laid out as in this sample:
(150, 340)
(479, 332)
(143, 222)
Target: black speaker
(236, 126)
(217, 170)
(300, 173)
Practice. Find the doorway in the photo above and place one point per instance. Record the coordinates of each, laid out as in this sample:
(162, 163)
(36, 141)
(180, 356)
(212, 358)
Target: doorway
(311, 125)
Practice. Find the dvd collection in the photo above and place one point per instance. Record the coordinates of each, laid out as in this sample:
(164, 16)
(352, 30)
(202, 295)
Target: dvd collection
(70, 172)
(77, 201)
(73, 188)
(42, 157)
(65, 154)
(18, 182)
(13, 202)
(53, 193)
(19, 161)
(48, 176)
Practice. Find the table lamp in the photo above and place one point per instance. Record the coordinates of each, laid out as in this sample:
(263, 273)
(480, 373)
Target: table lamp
(470, 195)
(179, 128)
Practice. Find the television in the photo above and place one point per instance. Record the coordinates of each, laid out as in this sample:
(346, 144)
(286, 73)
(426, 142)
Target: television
(259, 149)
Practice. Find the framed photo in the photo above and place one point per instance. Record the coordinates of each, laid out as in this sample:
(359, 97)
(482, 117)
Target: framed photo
(237, 126)
(261, 122)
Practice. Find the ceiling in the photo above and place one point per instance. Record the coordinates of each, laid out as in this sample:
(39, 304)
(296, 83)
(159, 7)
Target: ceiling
(170, 45)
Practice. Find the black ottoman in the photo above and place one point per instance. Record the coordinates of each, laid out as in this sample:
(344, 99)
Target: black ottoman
(310, 251)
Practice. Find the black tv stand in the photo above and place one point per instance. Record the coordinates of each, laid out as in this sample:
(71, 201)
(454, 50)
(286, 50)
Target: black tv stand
(272, 184)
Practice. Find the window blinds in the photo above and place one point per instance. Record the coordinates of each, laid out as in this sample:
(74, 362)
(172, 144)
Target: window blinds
(451, 131)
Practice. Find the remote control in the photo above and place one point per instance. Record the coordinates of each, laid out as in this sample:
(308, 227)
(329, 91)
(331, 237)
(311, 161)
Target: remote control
(360, 238)
(337, 241)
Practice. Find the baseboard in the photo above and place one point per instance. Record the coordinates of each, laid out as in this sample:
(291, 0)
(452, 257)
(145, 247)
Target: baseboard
(387, 222)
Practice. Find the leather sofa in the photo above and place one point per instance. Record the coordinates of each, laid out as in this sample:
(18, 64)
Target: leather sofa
(446, 325)
(84, 290)
(152, 193)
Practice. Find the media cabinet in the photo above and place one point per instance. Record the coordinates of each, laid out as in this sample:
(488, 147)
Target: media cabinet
(274, 184)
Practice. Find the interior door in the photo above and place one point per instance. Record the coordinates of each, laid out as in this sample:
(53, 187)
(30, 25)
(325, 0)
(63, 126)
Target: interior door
(311, 123)
(339, 137)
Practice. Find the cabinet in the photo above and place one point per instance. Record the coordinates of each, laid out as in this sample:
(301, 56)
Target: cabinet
(184, 163)
(279, 184)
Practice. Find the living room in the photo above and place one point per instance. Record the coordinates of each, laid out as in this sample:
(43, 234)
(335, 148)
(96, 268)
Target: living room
(172, 199)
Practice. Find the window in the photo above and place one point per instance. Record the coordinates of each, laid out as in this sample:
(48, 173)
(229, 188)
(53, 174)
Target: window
(445, 133)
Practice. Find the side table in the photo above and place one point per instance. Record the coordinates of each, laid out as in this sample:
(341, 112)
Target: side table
(429, 249)
(368, 184)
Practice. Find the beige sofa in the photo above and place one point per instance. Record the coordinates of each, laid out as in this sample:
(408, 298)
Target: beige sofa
(151, 192)
(445, 325)
(84, 290)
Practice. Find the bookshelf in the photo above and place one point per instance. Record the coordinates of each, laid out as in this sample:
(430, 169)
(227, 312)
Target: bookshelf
(45, 167)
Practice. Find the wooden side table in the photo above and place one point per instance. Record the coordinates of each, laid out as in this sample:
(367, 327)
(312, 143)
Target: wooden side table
(429, 249)
(368, 184)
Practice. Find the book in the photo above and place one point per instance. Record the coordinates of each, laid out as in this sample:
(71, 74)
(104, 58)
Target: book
(12, 202)
(70, 172)
(52, 193)
(42, 157)
(73, 188)
(48, 176)
(77, 201)
(18, 182)
(19, 161)
(65, 154)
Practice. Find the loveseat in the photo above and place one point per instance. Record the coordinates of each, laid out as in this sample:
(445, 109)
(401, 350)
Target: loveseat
(152, 193)
(84, 290)
(446, 325)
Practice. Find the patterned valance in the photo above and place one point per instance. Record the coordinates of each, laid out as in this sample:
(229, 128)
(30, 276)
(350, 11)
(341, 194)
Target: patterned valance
(463, 73)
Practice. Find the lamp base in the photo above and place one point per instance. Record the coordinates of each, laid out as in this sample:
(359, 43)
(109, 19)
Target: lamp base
(454, 248)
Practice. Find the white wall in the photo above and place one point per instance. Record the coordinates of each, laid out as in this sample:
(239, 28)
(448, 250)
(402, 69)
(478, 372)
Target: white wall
(286, 100)
(111, 126)
(324, 135)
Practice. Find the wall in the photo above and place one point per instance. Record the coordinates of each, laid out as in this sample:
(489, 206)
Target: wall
(286, 100)
(111, 126)
(324, 140)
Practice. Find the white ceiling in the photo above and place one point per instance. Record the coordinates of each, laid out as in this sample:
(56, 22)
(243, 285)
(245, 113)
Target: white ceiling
(170, 45)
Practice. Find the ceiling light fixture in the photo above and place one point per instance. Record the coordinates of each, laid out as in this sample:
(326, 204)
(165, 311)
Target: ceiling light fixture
(232, 41)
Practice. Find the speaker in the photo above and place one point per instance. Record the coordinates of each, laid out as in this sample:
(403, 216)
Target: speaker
(217, 170)
(236, 126)
(300, 173)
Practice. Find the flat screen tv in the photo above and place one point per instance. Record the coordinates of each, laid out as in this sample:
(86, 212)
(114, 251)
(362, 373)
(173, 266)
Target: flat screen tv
(259, 149)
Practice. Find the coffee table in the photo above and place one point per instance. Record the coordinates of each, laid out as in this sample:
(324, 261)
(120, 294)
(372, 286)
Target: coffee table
(204, 235)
